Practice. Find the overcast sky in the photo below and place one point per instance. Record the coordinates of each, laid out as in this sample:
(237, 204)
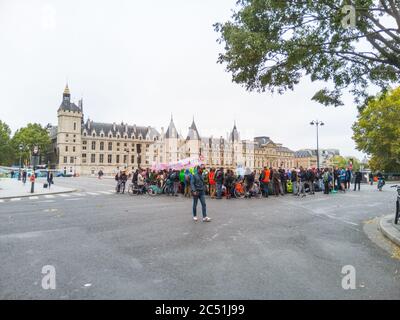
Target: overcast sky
(140, 61)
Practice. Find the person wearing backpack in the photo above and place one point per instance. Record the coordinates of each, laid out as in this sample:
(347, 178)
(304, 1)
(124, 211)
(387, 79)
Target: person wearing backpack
(326, 177)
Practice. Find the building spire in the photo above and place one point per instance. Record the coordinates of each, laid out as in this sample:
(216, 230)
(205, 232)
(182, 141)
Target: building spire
(66, 90)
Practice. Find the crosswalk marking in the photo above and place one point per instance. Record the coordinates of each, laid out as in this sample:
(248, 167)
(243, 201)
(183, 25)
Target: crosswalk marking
(1, 200)
(15, 199)
(33, 198)
(92, 193)
(49, 196)
(105, 192)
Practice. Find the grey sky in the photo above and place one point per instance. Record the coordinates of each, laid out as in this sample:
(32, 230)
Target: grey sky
(140, 61)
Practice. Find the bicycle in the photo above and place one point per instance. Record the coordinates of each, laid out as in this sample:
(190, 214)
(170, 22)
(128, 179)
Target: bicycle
(240, 191)
(397, 213)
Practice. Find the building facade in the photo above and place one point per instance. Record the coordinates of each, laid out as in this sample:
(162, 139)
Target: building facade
(85, 147)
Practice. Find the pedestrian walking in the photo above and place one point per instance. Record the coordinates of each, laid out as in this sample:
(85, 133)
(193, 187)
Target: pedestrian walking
(50, 179)
(24, 175)
(197, 187)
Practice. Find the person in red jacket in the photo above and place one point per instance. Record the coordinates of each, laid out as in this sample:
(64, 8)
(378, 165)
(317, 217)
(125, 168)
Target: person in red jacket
(264, 181)
(211, 179)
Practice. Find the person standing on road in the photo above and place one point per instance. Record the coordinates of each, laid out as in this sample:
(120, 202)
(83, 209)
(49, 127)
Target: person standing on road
(264, 181)
(294, 179)
(348, 178)
(326, 180)
(197, 187)
(187, 183)
(302, 181)
(342, 178)
(357, 180)
(211, 179)
(219, 180)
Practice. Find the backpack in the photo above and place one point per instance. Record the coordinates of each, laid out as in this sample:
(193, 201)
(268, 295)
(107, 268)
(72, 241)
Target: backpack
(326, 177)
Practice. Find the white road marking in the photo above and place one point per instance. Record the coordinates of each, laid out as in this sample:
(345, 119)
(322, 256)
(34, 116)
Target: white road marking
(46, 201)
(79, 194)
(15, 199)
(33, 198)
(73, 199)
(49, 196)
(64, 195)
(92, 193)
(105, 192)
(1, 200)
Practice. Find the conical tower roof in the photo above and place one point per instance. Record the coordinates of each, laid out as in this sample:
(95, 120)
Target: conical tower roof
(171, 133)
(193, 133)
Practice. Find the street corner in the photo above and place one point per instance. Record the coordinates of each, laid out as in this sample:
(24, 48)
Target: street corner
(391, 232)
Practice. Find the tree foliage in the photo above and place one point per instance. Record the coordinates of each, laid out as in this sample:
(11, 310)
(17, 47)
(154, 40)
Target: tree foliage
(377, 131)
(6, 151)
(271, 44)
(343, 162)
(30, 136)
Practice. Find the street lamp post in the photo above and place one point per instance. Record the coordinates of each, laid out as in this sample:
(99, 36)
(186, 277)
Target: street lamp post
(317, 124)
(20, 160)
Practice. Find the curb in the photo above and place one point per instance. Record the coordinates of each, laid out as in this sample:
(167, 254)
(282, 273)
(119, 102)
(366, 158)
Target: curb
(38, 194)
(388, 230)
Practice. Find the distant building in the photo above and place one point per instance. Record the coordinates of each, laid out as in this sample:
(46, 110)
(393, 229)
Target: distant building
(307, 158)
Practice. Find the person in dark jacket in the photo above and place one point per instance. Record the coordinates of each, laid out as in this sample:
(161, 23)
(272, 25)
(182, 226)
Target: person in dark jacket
(50, 179)
(229, 178)
(197, 187)
(283, 178)
(357, 180)
(219, 180)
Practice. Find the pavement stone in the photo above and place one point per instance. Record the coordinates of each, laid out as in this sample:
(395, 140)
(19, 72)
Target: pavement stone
(389, 229)
(13, 188)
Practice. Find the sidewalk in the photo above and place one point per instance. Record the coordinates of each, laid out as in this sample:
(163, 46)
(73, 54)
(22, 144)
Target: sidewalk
(389, 229)
(12, 188)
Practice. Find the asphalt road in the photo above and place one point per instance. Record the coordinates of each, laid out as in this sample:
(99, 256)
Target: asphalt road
(109, 246)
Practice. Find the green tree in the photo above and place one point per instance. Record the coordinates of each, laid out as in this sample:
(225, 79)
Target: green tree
(343, 162)
(6, 151)
(271, 44)
(28, 137)
(377, 131)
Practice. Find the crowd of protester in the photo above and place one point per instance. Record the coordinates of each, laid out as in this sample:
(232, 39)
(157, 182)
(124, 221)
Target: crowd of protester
(221, 183)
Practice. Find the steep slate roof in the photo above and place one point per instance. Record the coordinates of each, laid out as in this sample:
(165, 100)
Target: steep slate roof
(193, 133)
(262, 140)
(69, 106)
(122, 128)
(234, 136)
(171, 131)
(284, 149)
(305, 153)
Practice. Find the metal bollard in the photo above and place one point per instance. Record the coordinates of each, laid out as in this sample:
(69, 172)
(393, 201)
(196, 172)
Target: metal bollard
(32, 187)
